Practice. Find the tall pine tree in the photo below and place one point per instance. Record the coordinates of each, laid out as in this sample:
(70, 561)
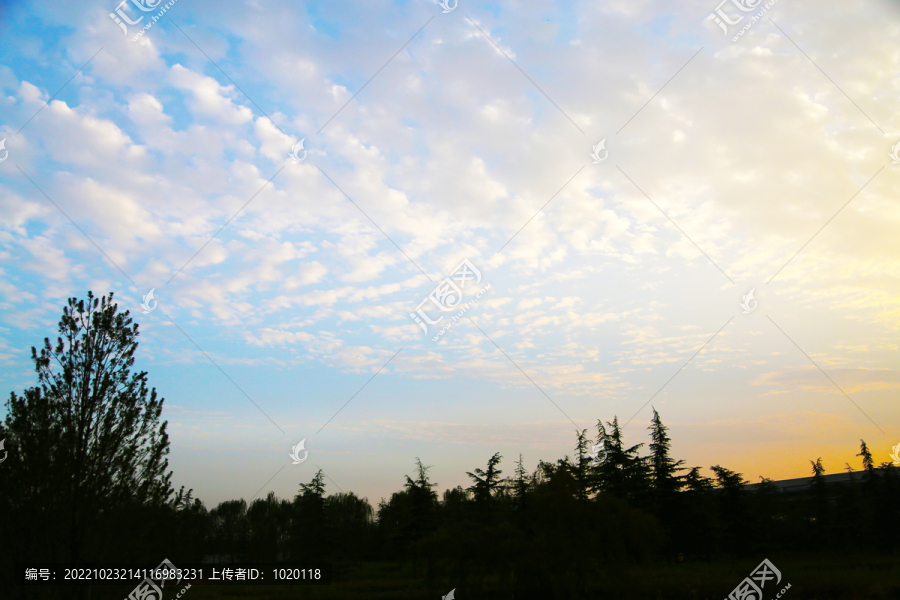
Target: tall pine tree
(86, 443)
(663, 468)
(624, 472)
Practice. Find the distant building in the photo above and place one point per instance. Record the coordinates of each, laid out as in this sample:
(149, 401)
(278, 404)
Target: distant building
(802, 483)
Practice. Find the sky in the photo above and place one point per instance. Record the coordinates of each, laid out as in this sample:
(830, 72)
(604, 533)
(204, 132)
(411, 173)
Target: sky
(657, 210)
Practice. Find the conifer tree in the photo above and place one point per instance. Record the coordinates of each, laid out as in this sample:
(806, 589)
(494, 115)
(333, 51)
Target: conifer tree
(521, 484)
(420, 519)
(663, 468)
(309, 525)
(732, 506)
(818, 469)
(581, 467)
(820, 497)
(87, 440)
(665, 483)
(487, 481)
(867, 461)
(624, 472)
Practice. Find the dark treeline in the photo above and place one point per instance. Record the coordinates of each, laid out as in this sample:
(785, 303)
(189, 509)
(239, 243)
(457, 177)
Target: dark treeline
(554, 527)
(86, 480)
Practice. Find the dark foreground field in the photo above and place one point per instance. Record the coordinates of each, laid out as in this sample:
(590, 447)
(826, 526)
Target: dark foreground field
(810, 577)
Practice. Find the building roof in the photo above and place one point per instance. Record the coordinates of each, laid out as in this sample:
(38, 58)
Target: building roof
(803, 483)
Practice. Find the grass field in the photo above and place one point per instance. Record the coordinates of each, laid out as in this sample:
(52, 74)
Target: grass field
(810, 577)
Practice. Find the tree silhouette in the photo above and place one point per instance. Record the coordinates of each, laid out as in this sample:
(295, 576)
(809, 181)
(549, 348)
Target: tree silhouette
(192, 523)
(520, 485)
(487, 482)
(623, 473)
(267, 520)
(409, 516)
(820, 502)
(351, 520)
(887, 523)
(230, 529)
(665, 483)
(868, 463)
(663, 467)
(309, 523)
(581, 467)
(87, 448)
(733, 512)
(696, 521)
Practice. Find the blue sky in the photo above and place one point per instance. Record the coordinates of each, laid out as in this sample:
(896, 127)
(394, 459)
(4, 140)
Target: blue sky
(727, 160)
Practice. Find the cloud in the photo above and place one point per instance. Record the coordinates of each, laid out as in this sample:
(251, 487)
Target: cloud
(604, 277)
(209, 99)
